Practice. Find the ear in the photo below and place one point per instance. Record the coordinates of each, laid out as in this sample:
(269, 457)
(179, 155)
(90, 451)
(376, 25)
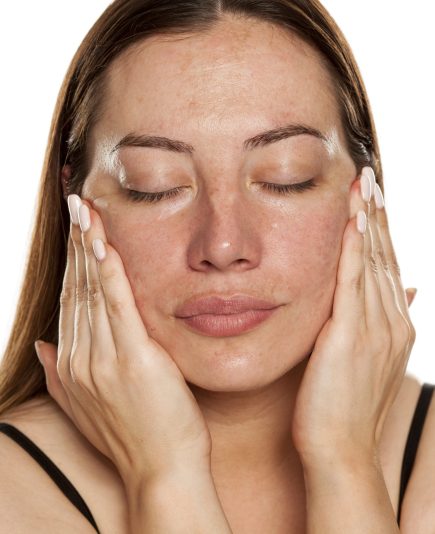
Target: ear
(65, 176)
(410, 295)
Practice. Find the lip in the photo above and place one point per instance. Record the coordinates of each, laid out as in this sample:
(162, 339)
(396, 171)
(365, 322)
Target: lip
(222, 305)
(225, 316)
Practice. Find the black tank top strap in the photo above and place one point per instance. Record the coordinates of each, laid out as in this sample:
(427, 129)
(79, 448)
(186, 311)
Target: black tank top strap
(412, 442)
(51, 469)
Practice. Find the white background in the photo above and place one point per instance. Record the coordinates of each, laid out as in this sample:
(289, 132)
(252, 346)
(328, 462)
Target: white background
(394, 47)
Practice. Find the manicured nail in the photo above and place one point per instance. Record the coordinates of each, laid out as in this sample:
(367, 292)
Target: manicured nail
(361, 221)
(366, 191)
(84, 218)
(370, 173)
(74, 202)
(379, 197)
(99, 249)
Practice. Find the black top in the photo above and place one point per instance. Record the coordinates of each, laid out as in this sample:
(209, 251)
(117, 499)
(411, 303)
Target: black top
(74, 496)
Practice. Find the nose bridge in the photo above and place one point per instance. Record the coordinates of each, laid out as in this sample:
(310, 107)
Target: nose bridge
(224, 234)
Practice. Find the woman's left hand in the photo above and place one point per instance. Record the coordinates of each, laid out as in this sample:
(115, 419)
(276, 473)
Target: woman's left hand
(360, 356)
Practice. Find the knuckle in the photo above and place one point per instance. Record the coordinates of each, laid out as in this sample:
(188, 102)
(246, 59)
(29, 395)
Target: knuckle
(408, 332)
(373, 264)
(354, 282)
(402, 332)
(395, 267)
(68, 294)
(115, 308)
(94, 295)
(81, 290)
(110, 273)
(87, 247)
(380, 255)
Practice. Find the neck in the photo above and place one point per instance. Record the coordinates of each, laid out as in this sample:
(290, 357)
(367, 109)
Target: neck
(251, 430)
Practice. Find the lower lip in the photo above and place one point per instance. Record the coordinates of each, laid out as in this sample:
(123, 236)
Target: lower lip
(227, 325)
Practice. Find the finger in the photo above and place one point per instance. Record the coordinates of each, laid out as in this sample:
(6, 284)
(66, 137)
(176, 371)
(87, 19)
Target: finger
(67, 304)
(349, 298)
(384, 232)
(79, 362)
(102, 344)
(127, 327)
(68, 298)
(380, 300)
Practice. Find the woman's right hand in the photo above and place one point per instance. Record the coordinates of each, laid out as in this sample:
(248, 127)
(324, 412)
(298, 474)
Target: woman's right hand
(120, 388)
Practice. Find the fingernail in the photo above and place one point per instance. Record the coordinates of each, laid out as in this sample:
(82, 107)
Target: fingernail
(366, 191)
(84, 218)
(361, 221)
(99, 249)
(370, 173)
(74, 203)
(379, 197)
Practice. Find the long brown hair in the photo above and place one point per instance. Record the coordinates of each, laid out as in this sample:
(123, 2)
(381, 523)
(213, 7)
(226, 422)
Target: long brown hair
(77, 109)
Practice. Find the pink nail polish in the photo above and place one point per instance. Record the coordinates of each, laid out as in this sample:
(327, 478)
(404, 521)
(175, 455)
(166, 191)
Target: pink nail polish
(74, 202)
(361, 222)
(370, 173)
(84, 218)
(365, 188)
(379, 197)
(99, 249)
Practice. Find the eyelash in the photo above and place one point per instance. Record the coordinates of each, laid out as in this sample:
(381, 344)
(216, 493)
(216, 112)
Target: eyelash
(280, 189)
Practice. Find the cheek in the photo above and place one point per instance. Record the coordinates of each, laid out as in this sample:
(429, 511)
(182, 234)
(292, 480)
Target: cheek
(310, 252)
(147, 250)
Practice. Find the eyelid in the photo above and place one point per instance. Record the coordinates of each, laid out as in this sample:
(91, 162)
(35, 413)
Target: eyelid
(279, 189)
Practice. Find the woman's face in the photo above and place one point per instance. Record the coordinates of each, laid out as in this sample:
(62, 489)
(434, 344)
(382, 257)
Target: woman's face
(225, 233)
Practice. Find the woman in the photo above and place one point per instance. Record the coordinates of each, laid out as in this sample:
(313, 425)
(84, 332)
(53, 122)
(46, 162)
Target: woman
(226, 332)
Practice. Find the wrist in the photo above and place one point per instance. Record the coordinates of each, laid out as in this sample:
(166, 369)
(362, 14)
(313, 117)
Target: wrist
(344, 458)
(332, 472)
(184, 501)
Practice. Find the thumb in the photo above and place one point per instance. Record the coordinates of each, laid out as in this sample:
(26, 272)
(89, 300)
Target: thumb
(47, 355)
(410, 295)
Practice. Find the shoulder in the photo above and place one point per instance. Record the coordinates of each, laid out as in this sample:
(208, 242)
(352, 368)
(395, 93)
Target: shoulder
(418, 507)
(94, 477)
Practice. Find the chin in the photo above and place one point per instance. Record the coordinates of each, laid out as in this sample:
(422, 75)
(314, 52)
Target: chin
(235, 371)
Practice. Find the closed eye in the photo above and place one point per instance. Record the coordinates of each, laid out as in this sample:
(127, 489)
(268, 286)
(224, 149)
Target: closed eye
(288, 189)
(280, 189)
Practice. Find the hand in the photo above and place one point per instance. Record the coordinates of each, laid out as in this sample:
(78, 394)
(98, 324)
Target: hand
(118, 386)
(360, 356)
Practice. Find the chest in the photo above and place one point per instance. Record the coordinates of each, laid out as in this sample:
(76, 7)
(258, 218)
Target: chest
(252, 508)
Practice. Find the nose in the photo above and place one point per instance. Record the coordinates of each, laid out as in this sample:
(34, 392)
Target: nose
(226, 236)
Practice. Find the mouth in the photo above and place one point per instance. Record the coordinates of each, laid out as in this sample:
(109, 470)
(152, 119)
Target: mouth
(224, 325)
(220, 315)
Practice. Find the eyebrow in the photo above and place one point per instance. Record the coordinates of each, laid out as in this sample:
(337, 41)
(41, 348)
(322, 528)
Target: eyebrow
(262, 139)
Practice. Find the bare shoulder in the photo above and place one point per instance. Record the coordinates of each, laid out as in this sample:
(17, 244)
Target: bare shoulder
(29, 497)
(418, 507)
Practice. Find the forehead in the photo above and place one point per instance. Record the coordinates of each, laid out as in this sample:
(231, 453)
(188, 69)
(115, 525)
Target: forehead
(240, 74)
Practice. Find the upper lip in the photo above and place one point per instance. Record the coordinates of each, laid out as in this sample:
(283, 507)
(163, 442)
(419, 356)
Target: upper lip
(222, 305)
